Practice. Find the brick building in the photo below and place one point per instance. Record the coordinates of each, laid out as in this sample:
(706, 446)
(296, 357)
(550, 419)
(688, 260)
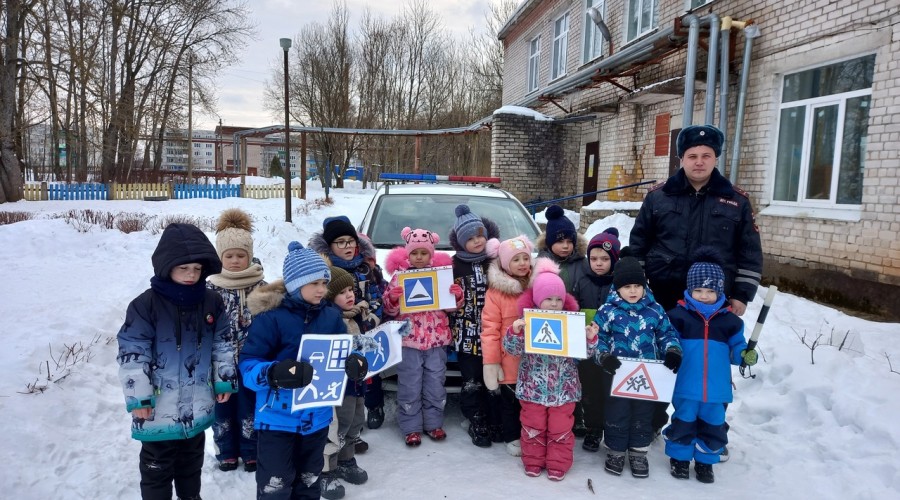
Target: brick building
(818, 151)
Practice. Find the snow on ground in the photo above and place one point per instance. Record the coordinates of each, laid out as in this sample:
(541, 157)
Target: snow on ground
(801, 430)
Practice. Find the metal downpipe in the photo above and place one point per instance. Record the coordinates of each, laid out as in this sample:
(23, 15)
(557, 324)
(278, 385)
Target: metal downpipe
(690, 71)
(714, 25)
(724, 49)
(750, 32)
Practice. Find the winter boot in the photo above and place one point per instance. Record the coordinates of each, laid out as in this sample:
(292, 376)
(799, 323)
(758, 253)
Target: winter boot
(478, 431)
(350, 472)
(437, 434)
(496, 434)
(638, 464)
(579, 428)
(514, 448)
(704, 473)
(532, 470)
(615, 463)
(375, 417)
(556, 475)
(591, 441)
(680, 469)
(724, 456)
(330, 486)
(359, 446)
(413, 439)
(249, 465)
(229, 464)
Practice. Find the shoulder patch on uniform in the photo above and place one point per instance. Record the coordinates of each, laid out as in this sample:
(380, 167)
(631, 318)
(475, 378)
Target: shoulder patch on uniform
(656, 186)
(741, 192)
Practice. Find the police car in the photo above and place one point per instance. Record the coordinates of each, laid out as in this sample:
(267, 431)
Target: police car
(429, 201)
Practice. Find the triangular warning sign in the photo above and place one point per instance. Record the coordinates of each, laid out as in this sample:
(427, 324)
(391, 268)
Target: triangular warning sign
(419, 294)
(637, 385)
(546, 335)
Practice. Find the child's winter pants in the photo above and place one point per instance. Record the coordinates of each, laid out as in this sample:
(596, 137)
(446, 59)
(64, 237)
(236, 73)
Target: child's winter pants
(628, 423)
(547, 439)
(289, 464)
(473, 397)
(233, 430)
(178, 460)
(350, 417)
(698, 431)
(421, 395)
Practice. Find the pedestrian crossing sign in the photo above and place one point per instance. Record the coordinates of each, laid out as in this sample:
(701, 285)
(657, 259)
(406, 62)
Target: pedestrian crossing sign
(557, 333)
(426, 289)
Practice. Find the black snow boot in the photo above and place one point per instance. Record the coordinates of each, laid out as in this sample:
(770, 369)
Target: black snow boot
(680, 469)
(704, 473)
(375, 417)
(350, 472)
(615, 463)
(479, 432)
(591, 441)
(330, 486)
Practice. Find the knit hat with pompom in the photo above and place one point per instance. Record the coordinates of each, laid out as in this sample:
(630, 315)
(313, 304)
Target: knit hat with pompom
(559, 227)
(303, 266)
(468, 225)
(234, 231)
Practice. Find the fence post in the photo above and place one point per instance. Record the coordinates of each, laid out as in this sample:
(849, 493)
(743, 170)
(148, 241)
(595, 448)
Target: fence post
(171, 188)
(44, 194)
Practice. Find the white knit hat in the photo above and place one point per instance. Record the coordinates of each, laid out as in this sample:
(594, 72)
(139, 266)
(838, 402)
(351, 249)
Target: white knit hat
(234, 231)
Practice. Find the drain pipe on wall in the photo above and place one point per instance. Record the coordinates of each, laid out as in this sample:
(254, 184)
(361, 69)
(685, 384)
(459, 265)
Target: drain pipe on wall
(751, 31)
(711, 68)
(724, 50)
(693, 22)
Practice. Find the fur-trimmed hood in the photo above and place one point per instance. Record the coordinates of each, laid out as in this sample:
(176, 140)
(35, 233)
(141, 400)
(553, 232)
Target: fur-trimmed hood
(493, 231)
(540, 244)
(398, 260)
(365, 246)
(499, 280)
(266, 297)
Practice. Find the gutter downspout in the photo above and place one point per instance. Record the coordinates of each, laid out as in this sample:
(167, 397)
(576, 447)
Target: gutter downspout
(751, 31)
(693, 22)
(714, 24)
(723, 90)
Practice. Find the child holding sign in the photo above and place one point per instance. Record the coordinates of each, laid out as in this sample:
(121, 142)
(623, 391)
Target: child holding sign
(713, 340)
(547, 386)
(632, 325)
(290, 444)
(421, 395)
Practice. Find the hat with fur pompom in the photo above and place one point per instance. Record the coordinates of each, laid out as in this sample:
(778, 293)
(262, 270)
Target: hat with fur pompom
(234, 231)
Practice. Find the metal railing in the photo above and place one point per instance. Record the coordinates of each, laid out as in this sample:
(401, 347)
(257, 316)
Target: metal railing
(537, 203)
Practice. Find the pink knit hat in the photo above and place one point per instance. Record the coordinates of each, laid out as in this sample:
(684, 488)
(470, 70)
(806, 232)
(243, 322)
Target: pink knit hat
(419, 238)
(507, 249)
(547, 282)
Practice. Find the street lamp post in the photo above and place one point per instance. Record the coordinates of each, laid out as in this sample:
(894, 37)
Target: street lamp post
(286, 45)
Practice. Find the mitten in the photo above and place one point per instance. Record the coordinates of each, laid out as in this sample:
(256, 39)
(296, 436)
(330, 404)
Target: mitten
(750, 357)
(290, 374)
(491, 373)
(356, 367)
(673, 360)
(457, 292)
(610, 363)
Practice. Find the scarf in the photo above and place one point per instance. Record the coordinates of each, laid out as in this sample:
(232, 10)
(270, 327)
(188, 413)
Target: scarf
(471, 257)
(707, 310)
(236, 280)
(348, 265)
(180, 295)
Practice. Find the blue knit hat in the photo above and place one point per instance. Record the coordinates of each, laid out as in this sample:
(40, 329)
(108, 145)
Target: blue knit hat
(303, 266)
(559, 227)
(699, 135)
(468, 225)
(706, 272)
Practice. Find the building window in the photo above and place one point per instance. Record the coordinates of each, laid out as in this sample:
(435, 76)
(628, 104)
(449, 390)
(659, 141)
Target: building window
(693, 4)
(593, 39)
(560, 46)
(641, 18)
(534, 60)
(822, 133)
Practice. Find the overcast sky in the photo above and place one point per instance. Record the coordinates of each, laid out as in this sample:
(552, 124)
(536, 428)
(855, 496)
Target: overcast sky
(240, 87)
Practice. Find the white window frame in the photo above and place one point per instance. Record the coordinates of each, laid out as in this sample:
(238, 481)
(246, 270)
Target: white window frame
(641, 30)
(688, 7)
(534, 64)
(560, 47)
(591, 33)
(820, 208)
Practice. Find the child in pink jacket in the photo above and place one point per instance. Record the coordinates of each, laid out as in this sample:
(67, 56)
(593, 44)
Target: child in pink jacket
(421, 395)
(547, 386)
(508, 277)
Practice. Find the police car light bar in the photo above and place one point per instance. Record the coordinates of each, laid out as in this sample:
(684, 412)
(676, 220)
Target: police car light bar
(438, 178)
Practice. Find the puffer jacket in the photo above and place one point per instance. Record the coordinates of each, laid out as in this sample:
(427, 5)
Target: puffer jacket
(675, 220)
(544, 379)
(500, 310)
(711, 344)
(368, 279)
(279, 323)
(430, 329)
(591, 290)
(175, 359)
(237, 311)
(640, 330)
(472, 277)
(572, 267)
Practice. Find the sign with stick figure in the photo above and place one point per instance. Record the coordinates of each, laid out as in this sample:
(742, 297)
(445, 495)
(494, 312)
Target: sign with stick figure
(326, 354)
(387, 350)
(643, 379)
(426, 289)
(558, 333)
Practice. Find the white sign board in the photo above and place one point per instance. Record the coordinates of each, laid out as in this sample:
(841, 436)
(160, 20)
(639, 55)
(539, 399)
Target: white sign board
(326, 354)
(645, 379)
(557, 333)
(426, 289)
(389, 350)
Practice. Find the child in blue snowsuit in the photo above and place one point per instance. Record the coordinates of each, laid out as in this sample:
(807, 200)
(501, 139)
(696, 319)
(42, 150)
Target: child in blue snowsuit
(290, 444)
(712, 338)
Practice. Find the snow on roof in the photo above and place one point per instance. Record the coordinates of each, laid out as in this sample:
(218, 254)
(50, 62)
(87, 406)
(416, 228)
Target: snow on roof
(519, 110)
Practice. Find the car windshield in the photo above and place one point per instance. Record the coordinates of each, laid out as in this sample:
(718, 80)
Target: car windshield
(436, 212)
